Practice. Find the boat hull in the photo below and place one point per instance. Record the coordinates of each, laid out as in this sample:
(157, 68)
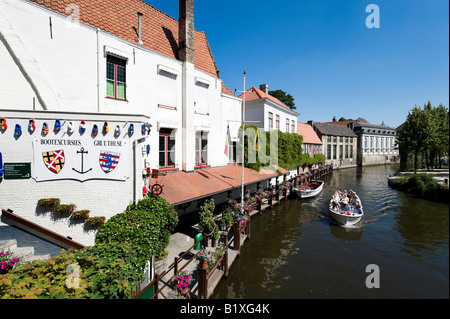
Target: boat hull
(344, 219)
(309, 193)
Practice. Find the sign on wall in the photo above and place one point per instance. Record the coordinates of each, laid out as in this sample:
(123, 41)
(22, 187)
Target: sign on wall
(17, 170)
(80, 159)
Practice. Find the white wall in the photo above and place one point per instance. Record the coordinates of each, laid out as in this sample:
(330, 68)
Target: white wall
(66, 76)
(258, 110)
(101, 197)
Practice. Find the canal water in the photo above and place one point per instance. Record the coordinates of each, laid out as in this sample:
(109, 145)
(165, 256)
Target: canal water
(296, 251)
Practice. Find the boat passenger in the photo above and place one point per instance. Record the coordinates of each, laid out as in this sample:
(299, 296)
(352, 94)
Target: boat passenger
(358, 209)
(345, 205)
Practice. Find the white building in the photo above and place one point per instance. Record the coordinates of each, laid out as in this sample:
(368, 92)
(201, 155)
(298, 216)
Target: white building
(377, 144)
(267, 112)
(147, 82)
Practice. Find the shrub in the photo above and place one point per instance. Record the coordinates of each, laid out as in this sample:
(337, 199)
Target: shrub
(43, 279)
(424, 185)
(146, 226)
(102, 271)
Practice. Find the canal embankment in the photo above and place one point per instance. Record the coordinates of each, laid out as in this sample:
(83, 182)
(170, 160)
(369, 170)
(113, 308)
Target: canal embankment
(186, 244)
(432, 185)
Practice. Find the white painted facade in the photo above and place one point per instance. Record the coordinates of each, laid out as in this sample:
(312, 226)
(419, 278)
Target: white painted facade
(59, 72)
(377, 144)
(259, 112)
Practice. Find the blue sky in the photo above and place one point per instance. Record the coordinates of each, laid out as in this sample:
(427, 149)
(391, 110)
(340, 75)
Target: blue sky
(322, 53)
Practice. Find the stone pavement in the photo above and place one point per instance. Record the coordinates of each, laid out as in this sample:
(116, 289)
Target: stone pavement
(178, 245)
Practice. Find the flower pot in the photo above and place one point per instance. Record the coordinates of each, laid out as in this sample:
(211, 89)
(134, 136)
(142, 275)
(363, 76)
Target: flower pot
(204, 264)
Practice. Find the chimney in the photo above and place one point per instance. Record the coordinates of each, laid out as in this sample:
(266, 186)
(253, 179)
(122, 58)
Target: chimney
(334, 119)
(140, 28)
(186, 31)
(264, 88)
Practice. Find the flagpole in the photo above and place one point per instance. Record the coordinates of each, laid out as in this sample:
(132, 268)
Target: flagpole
(243, 149)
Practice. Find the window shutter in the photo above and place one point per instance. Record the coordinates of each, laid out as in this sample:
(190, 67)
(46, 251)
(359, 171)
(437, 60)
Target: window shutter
(201, 98)
(167, 88)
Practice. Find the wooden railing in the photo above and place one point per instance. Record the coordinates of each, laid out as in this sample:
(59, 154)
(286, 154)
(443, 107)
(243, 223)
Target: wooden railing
(204, 275)
(40, 231)
(152, 290)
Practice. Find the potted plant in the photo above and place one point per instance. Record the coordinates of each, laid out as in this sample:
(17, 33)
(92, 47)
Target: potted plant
(207, 224)
(205, 257)
(182, 281)
(219, 251)
(80, 214)
(64, 209)
(7, 261)
(96, 221)
(48, 202)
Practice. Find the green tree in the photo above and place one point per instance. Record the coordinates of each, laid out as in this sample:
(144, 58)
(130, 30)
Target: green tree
(284, 97)
(424, 134)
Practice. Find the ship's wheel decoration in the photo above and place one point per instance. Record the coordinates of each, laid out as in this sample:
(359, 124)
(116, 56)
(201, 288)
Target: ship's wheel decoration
(157, 187)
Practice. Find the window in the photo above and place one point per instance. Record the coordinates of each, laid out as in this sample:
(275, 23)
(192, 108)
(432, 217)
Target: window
(328, 152)
(167, 90)
(287, 125)
(329, 138)
(201, 98)
(292, 127)
(351, 151)
(277, 123)
(115, 78)
(201, 148)
(232, 152)
(346, 151)
(341, 151)
(166, 148)
(334, 151)
(270, 121)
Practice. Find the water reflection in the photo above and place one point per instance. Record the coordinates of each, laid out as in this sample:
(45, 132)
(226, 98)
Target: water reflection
(346, 234)
(423, 226)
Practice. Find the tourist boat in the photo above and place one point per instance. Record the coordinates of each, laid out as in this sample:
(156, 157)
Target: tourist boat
(309, 189)
(346, 215)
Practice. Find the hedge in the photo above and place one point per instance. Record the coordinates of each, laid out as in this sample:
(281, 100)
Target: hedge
(109, 269)
(146, 226)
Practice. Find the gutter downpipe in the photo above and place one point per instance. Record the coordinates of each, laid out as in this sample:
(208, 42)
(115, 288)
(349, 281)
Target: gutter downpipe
(98, 71)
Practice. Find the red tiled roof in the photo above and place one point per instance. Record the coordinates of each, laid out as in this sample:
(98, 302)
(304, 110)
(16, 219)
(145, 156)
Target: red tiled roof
(119, 17)
(255, 94)
(309, 136)
(180, 187)
(226, 90)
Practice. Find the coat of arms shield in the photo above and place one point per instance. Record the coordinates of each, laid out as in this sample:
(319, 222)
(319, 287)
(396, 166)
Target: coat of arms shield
(54, 160)
(108, 161)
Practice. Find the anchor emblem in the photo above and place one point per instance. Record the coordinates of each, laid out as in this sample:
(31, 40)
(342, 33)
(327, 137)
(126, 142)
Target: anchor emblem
(82, 152)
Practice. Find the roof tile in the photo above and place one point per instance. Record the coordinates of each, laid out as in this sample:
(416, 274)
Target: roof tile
(119, 17)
